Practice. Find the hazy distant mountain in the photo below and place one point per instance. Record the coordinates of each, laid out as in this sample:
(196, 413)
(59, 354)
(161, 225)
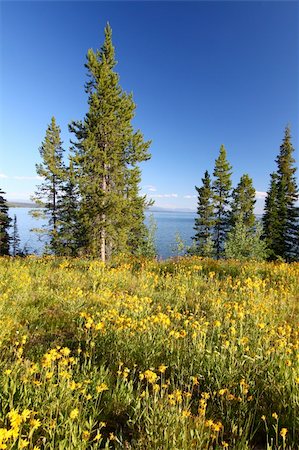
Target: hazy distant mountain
(22, 205)
(161, 209)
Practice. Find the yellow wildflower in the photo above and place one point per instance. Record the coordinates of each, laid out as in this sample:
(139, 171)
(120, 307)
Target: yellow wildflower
(217, 426)
(65, 351)
(162, 368)
(15, 418)
(85, 435)
(195, 381)
(222, 391)
(35, 423)
(102, 387)
(150, 376)
(25, 414)
(74, 413)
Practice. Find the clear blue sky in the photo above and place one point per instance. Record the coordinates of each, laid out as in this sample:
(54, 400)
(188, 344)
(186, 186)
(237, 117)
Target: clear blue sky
(202, 74)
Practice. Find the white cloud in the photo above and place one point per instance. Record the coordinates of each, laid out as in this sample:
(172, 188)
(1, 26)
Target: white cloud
(20, 177)
(189, 196)
(150, 188)
(260, 194)
(165, 195)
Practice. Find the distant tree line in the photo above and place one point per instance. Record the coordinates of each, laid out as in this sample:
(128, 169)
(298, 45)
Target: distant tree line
(91, 200)
(225, 225)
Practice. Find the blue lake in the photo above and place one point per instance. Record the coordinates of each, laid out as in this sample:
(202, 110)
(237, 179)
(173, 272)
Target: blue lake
(169, 224)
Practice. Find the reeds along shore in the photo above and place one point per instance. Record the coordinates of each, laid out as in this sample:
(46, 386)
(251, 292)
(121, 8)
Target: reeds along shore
(185, 354)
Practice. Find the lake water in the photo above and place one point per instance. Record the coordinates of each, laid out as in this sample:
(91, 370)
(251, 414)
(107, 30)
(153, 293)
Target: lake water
(168, 225)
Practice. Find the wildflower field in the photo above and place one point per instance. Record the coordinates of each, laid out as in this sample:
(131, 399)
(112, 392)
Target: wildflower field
(183, 354)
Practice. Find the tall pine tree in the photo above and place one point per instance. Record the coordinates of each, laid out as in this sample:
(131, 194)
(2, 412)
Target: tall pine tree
(281, 216)
(5, 221)
(47, 196)
(287, 197)
(107, 155)
(243, 201)
(204, 220)
(221, 196)
(271, 221)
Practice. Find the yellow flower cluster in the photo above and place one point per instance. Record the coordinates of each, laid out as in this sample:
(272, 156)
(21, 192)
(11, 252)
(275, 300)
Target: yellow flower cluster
(12, 436)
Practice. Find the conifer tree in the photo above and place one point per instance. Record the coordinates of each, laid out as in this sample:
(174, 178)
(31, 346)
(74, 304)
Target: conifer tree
(243, 201)
(204, 221)
(52, 171)
(69, 233)
(221, 197)
(5, 221)
(15, 238)
(271, 221)
(107, 155)
(281, 215)
(287, 197)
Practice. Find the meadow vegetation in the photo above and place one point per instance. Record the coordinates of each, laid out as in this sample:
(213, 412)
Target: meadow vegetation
(185, 354)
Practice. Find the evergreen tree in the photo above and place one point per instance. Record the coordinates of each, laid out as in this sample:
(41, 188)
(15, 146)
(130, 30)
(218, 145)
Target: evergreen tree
(281, 215)
(271, 221)
(204, 221)
(47, 196)
(243, 201)
(221, 197)
(5, 221)
(107, 155)
(69, 233)
(15, 238)
(245, 242)
(286, 198)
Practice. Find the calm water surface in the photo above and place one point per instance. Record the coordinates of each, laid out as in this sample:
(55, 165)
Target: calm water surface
(169, 224)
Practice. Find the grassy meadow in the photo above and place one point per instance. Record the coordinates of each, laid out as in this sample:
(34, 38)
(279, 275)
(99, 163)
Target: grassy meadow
(183, 354)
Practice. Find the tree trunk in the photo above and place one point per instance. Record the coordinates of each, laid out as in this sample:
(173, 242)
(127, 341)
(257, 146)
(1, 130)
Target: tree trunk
(103, 231)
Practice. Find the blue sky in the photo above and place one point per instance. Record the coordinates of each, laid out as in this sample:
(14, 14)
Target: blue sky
(202, 74)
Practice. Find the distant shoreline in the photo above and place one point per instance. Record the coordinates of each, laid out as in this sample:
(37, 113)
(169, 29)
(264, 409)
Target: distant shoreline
(153, 209)
(22, 205)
